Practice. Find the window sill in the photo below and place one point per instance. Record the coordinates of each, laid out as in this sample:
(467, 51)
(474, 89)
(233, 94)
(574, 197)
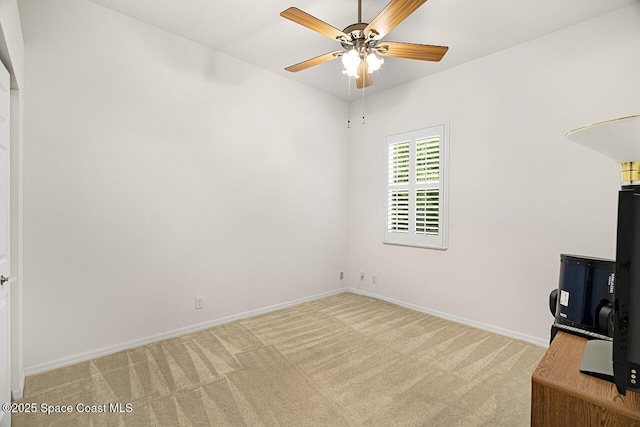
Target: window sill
(412, 245)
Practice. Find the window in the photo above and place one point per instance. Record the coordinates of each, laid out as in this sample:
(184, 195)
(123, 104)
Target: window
(416, 188)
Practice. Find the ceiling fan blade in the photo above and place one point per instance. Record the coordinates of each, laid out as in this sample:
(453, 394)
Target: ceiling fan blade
(392, 14)
(313, 61)
(423, 52)
(296, 15)
(364, 78)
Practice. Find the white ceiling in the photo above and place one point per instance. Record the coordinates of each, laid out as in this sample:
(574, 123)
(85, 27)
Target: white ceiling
(254, 31)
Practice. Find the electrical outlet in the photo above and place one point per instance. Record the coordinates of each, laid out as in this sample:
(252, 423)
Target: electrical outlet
(199, 303)
(361, 276)
(341, 275)
(374, 279)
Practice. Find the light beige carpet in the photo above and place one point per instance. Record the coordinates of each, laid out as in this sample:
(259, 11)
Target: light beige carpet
(344, 360)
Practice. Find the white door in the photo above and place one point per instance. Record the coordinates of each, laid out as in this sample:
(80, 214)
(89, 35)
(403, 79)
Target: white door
(5, 295)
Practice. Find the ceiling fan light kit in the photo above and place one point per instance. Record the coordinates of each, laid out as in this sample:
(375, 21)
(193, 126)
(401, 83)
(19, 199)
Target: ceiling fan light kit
(373, 62)
(363, 49)
(351, 63)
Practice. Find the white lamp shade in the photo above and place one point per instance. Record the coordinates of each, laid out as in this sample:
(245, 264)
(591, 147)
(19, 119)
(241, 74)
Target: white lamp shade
(351, 62)
(373, 62)
(618, 139)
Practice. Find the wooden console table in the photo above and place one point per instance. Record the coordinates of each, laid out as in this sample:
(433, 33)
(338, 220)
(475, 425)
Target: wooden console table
(563, 396)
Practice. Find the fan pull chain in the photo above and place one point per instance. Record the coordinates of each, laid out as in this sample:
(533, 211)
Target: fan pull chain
(349, 103)
(362, 104)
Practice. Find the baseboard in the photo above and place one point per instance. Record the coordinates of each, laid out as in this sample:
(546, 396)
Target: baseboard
(17, 393)
(491, 328)
(82, 357)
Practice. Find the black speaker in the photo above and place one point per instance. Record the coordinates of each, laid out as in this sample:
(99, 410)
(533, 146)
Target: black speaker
(583, 302)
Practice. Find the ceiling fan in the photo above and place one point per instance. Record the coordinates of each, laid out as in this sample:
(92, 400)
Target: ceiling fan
(361, 42)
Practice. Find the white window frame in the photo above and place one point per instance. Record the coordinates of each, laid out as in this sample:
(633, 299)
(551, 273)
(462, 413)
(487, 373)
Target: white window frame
(410, 237)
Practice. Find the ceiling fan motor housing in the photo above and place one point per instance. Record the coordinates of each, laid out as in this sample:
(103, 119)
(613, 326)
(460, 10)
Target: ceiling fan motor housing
(359, 41)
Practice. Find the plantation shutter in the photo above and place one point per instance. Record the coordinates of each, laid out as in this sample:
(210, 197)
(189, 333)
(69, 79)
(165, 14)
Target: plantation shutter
(415, 188)
(398, 188)
(427, 185)
(427, 211)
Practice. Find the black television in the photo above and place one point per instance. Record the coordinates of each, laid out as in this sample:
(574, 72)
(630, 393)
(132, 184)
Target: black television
(619, 360)
(626, 305)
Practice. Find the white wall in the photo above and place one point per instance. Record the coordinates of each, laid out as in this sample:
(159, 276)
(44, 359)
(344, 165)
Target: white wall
(520, 193)
(157, 170)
